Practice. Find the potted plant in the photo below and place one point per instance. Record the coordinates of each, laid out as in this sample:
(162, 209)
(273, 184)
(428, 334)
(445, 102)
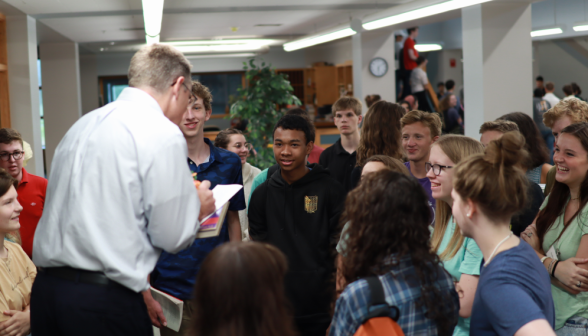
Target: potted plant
(262, 102)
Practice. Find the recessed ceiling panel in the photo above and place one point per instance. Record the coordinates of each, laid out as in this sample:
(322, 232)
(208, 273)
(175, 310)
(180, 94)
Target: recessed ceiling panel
(33, 7)
(102, 28)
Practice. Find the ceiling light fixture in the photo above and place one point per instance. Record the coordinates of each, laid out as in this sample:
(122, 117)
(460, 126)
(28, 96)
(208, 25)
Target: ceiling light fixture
(428, 47)
(420, 13)
(152, 15)
(227, 41)
(318, 39)
(546, 32)
(581, 26)
(208, 46)
(223, 55)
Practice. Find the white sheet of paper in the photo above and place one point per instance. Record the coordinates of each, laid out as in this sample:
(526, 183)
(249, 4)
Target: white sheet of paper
(223, 193)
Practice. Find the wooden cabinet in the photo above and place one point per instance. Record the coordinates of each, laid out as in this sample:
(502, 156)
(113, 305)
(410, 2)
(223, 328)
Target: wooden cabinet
(322, 84)
(327, 90)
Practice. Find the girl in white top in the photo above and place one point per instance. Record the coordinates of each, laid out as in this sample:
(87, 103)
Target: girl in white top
(233, 140)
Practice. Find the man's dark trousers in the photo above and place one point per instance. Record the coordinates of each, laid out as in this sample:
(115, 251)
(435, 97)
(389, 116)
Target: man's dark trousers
(70, 308)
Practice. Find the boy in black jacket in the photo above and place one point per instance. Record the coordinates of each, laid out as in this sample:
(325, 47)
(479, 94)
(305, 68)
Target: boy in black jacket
(297, 209)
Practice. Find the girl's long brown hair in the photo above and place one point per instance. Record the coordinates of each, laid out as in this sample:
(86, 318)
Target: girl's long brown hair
(380, 133)
(457, 148)
(389, 218)
(240, 292)
(560, 192)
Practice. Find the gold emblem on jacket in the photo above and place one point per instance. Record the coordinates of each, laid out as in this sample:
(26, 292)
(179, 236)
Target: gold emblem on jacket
(310, 203)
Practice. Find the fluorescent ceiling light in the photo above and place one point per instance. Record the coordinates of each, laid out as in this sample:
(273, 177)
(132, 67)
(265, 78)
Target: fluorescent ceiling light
(581, 26)
(152, 14)
(223, 55)
(545, 32)
(318, 39)
(207, 46)
(427, 47)
(218, 48)
(217, 42)
(421, 13)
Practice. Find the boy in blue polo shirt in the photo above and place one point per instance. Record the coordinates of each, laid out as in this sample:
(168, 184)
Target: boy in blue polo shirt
(175, 274)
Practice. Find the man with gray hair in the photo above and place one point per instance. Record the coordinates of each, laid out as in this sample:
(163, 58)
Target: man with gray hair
(119, 193)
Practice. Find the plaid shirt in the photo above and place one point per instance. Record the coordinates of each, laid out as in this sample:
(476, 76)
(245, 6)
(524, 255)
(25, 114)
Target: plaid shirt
(402, 289)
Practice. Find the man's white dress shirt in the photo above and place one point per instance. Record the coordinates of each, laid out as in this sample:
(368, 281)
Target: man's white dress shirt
(119, 192)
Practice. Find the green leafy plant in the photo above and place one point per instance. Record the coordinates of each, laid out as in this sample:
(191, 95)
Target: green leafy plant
(261, 102)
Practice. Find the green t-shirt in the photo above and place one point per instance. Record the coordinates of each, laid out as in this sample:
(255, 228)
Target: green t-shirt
(467, 260)
(257, 181)
(566, 304)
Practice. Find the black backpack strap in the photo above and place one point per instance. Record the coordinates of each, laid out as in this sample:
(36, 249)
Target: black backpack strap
(378, 298)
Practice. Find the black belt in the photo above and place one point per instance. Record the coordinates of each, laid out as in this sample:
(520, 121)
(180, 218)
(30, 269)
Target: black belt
(78, 275)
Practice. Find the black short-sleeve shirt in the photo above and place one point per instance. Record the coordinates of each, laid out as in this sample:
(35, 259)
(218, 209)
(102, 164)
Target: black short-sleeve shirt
(339, 162)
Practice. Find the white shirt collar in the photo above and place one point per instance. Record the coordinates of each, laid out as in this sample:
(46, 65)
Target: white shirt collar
(132, 94)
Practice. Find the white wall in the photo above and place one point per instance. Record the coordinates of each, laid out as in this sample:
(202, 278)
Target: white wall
(336, 52)
(561, 64)
(379, 43)
(491, 32)
(24, 85)
(447, 72)
(89, 83)
(61, 92)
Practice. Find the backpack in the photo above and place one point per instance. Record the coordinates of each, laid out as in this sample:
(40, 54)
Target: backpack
(378, 322)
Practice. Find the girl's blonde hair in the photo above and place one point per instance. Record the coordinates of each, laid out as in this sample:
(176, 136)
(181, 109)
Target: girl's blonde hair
(457, 148)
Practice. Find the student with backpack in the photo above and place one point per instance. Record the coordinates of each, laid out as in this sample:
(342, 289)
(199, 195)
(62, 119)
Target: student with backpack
(297, 209)
(389, 239)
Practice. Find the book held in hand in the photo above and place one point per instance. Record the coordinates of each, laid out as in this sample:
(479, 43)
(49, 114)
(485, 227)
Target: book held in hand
(211, 225)
(172, 308)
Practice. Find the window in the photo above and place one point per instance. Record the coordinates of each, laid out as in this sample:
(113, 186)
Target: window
(111, 87)
(223, 87)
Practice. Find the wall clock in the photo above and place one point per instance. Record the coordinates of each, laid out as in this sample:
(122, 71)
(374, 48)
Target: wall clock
(378, 67)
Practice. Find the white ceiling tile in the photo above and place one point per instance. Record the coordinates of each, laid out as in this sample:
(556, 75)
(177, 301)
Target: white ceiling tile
(96, 29)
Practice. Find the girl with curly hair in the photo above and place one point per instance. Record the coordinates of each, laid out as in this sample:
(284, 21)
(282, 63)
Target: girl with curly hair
(389, 238)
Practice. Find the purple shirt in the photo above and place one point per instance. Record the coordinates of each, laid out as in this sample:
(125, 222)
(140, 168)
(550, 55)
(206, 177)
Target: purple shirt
(426, 184)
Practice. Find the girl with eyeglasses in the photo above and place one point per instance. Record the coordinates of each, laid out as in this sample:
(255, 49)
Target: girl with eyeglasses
(461, 256)
(233, 140)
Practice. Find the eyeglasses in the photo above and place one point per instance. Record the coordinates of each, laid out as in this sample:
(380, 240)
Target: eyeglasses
(192, 98)
(247, 145)
(436, 168)
(16, 156)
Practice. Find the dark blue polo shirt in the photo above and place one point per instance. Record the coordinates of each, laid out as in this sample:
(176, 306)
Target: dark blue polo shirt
(175, 274)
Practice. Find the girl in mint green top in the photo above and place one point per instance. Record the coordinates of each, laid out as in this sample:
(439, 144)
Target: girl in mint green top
(461, 256)
(559, 234)
(566, 304)
(467, 260)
